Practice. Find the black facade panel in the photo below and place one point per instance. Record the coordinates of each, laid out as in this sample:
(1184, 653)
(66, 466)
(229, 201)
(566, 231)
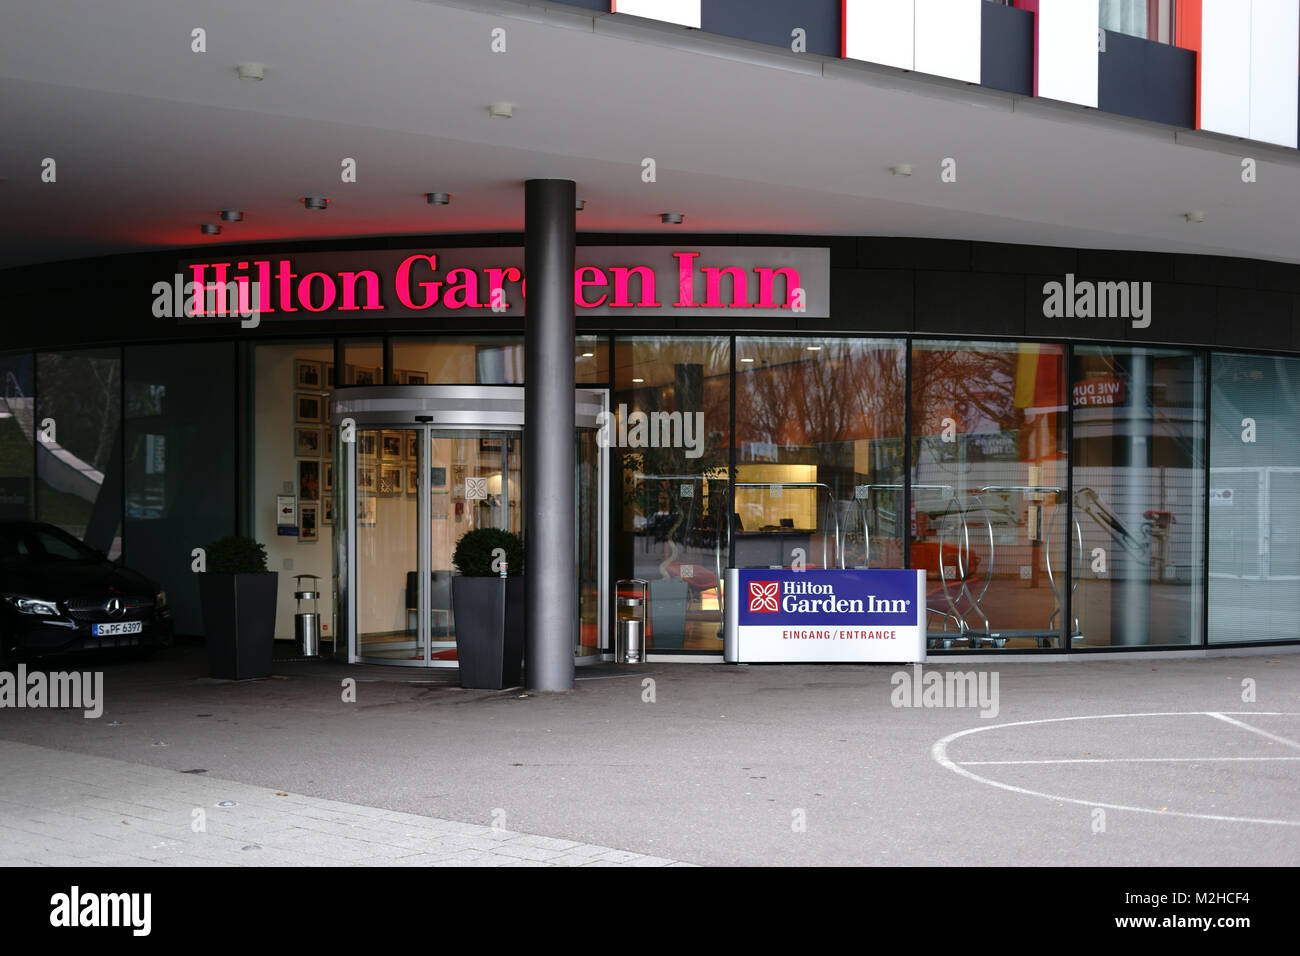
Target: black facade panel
(601, 5)
(868, 300)
(1032, 260)
(1147, 80)
(1249, 319)
(773, 21)
(1105, 265)
(1007, 49)
(943, 254)
(969, 304)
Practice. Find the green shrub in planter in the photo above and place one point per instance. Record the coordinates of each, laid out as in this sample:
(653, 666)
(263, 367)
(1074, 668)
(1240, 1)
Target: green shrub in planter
(473, 555)
(236, 555)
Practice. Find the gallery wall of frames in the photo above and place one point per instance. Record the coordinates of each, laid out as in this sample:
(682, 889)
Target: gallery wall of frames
(1059, 497)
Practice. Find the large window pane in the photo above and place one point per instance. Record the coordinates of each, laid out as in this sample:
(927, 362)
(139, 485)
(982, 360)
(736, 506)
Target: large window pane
(1254, 498)
(17, 435)
(1139, 495)
(180, 464)
(672, 399)
(79, 471)
(988, 520)
(482, 360)
(819, 452)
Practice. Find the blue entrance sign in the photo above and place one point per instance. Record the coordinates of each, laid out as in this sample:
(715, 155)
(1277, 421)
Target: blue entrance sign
(824, 616)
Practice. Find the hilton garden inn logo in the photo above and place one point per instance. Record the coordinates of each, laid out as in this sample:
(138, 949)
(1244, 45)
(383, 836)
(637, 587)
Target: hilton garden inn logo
(75, 908)
(73, 690)
(1098, 300)
(950, 689)
(619, 429)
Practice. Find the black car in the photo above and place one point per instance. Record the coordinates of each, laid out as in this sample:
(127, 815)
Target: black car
(57, 596)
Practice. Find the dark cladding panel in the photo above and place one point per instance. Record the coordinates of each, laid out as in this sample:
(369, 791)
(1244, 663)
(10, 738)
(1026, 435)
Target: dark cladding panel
(1007, 49)
(601, 5)
(1147, 80)
(772, 21)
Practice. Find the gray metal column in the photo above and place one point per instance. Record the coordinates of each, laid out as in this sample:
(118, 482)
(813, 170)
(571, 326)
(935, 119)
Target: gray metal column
(549, 463)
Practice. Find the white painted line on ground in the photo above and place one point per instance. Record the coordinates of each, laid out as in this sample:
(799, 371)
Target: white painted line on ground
(1262, 733)
(1007, 763)
(940, 754)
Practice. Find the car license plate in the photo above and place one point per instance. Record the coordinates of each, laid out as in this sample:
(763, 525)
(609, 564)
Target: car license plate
(119, 627)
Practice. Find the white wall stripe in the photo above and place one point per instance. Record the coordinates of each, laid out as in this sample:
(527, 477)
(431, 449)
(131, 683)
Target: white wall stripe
(948, 34)
(880, 31)
(683, 12)
(1274, 70)
(1067, 50)
(1225, 66)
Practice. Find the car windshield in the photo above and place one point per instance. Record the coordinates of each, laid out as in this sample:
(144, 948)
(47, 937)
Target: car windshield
(35, 544)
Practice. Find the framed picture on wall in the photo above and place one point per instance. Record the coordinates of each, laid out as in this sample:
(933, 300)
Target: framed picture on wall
(489, 444)
(391, 446)
(308, 407)
(327, 509)
(368, 479)
(369, 510)
(307, 530)
(367, 444)
(308, 374)
(329, 442)
(438, 477)
(309, 481)
(412, 480)
(306, 442)
(390, 480)
(327, 483)
(416, 378)
(329, 376)
(365, 376)
(412, 445)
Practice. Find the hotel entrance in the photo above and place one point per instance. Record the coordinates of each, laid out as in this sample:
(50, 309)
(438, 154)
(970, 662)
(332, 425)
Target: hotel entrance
(420, 466)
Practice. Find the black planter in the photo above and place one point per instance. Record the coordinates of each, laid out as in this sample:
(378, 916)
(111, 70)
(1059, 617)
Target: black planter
(239, 623)
(489, 615)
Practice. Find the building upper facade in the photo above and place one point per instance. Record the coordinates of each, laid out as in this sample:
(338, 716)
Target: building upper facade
(1224, 66)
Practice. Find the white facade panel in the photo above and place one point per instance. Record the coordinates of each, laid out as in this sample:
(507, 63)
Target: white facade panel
(1225, 67)
(1067, 50)
(880, 31)
(1274, 70)
(948, 36)
(683, 12)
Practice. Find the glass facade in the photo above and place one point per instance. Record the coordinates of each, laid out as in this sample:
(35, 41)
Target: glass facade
(747, 451)
(1254, 498)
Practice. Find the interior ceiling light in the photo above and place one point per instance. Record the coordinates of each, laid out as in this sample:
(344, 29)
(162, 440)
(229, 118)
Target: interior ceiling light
(210, 229)
(814, 348)
(501, 111)
(902, 169)
(637, 381)
(1196, 215)
(315, 202)
(588, 354)
(671, 218)
(437, 199)
(747, 360)
(250, 71)
(232, 215)
(580, 205)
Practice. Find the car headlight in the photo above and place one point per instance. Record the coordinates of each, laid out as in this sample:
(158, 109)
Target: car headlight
(160, 599)
(24, 604)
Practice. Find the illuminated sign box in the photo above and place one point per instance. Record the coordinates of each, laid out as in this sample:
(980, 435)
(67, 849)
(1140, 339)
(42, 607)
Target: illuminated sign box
(824, 616)
(608, 280)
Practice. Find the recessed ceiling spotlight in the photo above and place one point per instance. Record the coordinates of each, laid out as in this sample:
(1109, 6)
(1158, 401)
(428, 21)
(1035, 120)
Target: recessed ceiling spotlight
(232, 215)
(250, 71)
(210, 229)
(315, 202)
(747, 360)
(814, 348)
(902, 169)
(1196, 215)
(671, 218)
(501, 110)
(588, 354)
(580, 205)
(637, 381)
(437, 199)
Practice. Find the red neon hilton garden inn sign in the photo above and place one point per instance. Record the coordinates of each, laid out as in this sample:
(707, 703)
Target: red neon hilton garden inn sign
(715, 279)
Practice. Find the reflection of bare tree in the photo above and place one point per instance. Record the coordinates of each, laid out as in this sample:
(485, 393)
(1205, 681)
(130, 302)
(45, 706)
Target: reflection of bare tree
(973, 386)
